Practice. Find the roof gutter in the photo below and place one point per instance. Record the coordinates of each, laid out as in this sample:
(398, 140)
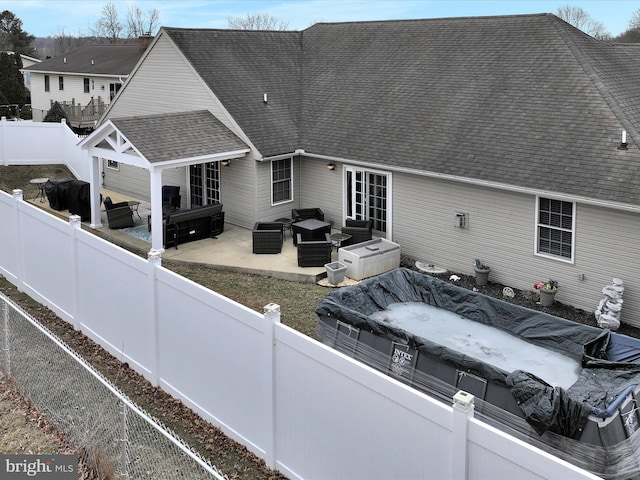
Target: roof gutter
(295, 153)
(484, 183)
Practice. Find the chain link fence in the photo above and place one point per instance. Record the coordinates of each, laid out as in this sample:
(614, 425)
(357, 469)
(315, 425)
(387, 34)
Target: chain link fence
(113, 436)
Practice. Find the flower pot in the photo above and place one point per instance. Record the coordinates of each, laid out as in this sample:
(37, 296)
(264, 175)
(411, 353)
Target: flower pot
(335, 272)
(547, 297)
(482, 276)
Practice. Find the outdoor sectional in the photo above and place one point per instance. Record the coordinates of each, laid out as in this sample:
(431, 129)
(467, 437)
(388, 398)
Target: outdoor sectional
(187, 225)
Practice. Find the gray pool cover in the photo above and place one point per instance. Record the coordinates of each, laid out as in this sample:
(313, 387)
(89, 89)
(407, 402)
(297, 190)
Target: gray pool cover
(609, 360)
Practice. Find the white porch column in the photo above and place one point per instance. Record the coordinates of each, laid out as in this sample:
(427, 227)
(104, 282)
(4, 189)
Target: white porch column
(95, 184)
(156, 211)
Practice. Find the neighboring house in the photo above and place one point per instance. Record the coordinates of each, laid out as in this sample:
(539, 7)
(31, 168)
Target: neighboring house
(84, 81)
(496, 138)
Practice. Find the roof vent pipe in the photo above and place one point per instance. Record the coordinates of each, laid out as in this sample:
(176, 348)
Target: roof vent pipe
(623, 141)
(264, 98)
(64, 59)
(92, 61)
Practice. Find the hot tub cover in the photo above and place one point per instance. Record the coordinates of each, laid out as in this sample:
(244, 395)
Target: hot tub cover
(609, 360)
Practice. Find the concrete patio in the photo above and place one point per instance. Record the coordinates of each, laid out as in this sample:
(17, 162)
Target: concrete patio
(231, 251)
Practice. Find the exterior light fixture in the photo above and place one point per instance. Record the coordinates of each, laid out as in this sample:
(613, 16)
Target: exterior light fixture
(331, 166)
(225, 163)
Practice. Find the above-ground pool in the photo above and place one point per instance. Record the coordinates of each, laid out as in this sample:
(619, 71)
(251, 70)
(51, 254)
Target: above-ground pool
(576, 386)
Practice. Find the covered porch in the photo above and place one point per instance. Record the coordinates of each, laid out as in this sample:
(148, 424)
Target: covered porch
(156, 143)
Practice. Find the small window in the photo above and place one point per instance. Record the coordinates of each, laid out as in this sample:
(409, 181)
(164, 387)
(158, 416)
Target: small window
(555, 227)
(60, 83)
(113, 165)
(46, 83)
(281, 181)
(86, 85)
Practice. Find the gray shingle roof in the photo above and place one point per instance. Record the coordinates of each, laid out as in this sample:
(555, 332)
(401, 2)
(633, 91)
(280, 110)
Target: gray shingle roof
(240, 66)
(174, 136)
(522, 100)
(93, 60)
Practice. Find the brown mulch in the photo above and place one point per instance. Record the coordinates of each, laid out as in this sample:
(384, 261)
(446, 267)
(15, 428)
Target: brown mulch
(528, 299)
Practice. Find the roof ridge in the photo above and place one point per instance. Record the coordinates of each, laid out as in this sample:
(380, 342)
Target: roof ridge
(593, 75)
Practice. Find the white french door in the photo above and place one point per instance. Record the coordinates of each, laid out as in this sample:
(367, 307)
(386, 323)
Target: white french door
(204, 183)
(367, 198)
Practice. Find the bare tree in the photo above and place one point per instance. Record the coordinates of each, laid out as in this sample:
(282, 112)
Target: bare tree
(138, 24)
(256, 21)
(108, 27)
(580, 19)
(634, 22)
(64, 43)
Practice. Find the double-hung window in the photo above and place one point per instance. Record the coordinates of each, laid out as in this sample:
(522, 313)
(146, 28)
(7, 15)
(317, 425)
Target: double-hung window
(281, 180)
(46, 83)
(555, 228)
(60, 83)
(86, 85)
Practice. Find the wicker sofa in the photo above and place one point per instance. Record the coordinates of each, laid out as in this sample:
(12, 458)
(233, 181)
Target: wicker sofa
(188, 225)
(268, 237)
(314, 253)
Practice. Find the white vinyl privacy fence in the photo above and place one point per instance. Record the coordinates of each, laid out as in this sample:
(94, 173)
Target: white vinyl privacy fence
(304, 408)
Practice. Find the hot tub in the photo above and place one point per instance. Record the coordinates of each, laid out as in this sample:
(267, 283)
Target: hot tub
(579, 382)
(370, 258)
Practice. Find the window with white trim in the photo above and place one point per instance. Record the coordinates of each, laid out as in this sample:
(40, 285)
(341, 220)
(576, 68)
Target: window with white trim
(113, 165)
(85, 82)
(60, 83)
(555, 227)
(281, 180)
(46, 83)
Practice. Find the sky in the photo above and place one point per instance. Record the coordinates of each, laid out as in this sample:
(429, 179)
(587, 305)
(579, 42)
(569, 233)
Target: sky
(44, 18)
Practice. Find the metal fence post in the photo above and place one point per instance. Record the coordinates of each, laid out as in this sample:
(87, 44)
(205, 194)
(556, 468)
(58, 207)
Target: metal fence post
(5, 340)
(124, 458)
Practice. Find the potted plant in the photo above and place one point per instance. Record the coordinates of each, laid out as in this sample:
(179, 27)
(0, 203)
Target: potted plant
(547, 291)
(482, 272)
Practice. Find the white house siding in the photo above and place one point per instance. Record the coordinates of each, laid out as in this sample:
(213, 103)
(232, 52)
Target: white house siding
(321, 188)
(73, 91)
(166, 83)
(501, 232)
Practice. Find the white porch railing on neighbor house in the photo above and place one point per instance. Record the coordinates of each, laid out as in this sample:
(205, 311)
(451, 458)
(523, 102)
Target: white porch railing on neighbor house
(304, 408)
(39, 143)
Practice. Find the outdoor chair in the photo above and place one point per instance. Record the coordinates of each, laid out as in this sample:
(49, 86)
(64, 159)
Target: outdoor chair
(360, 231)
(314, 253)
(119, 215)
(268, 237)
(300, 214)
(171, 198)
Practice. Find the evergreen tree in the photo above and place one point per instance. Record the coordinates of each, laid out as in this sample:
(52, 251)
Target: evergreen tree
(13, 38)
(12, 89)
(55, 114)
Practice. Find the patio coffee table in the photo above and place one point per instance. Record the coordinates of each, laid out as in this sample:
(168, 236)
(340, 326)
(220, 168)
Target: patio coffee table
(311, 229)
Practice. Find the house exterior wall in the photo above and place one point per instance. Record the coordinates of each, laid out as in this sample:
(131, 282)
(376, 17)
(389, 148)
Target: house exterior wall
(322, 188)
(73, 91)
(501, 232)
(165, 83)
